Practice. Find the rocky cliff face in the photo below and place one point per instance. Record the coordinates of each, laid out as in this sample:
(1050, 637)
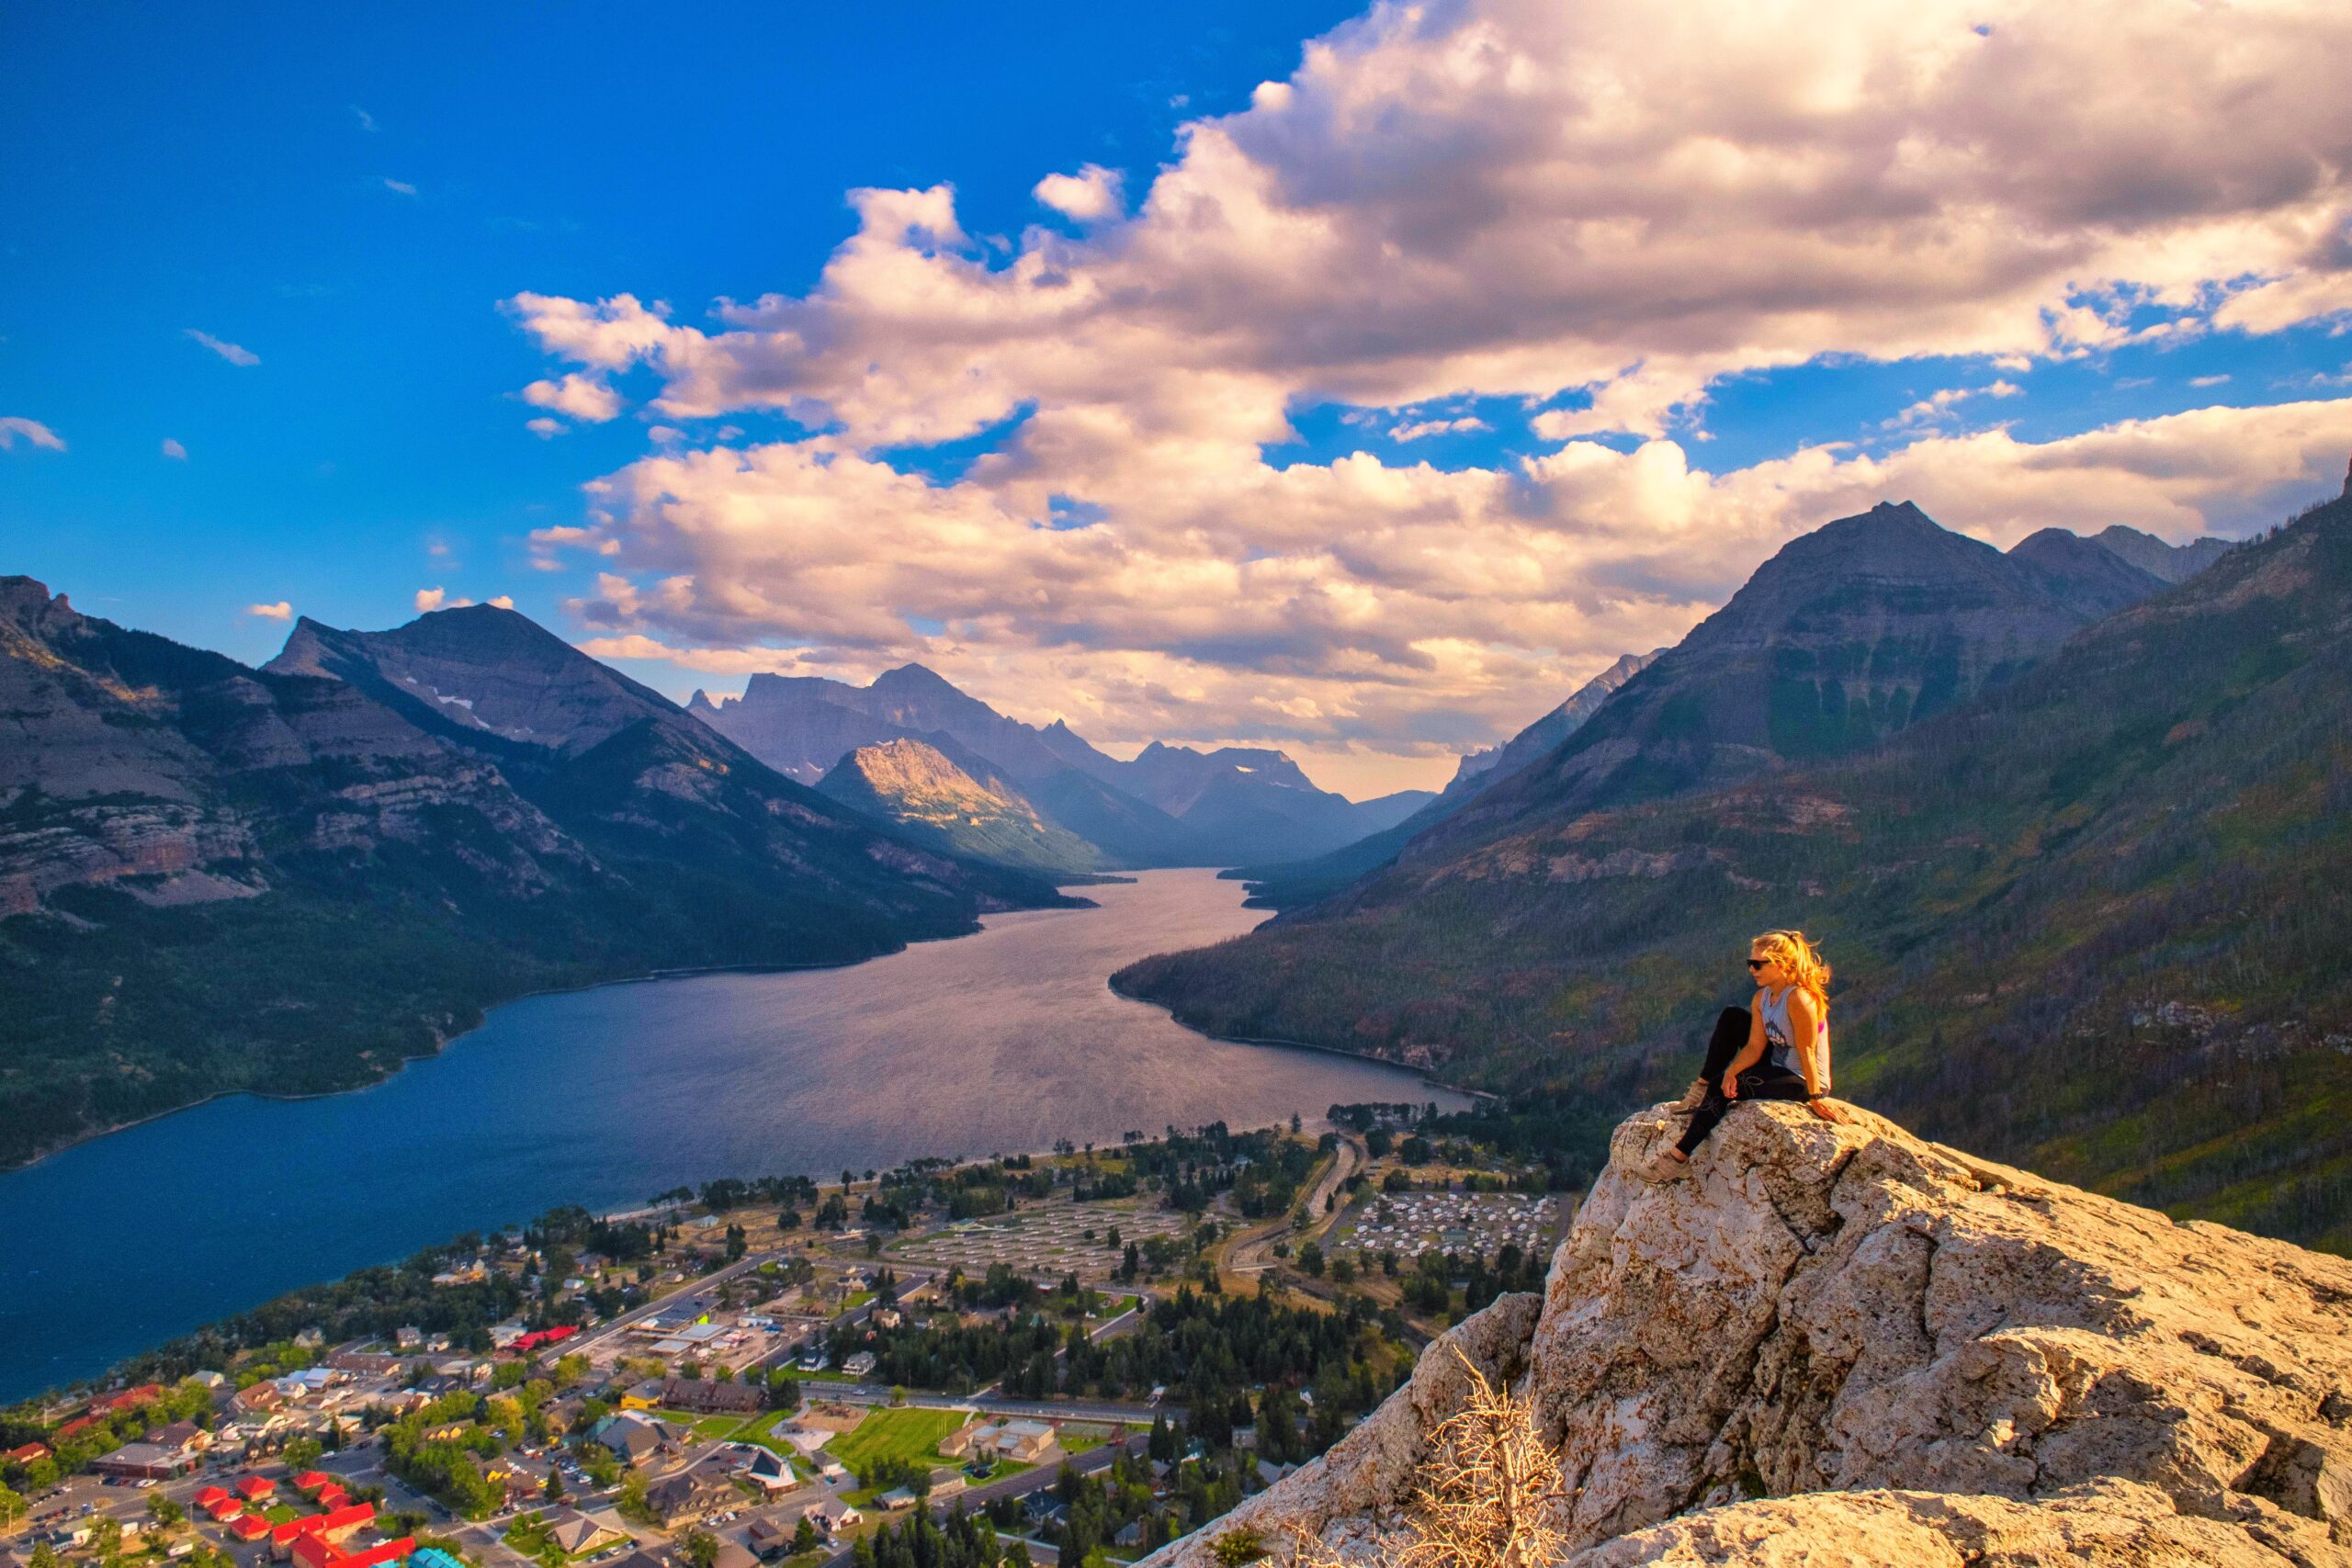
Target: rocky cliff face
(1845, 1345)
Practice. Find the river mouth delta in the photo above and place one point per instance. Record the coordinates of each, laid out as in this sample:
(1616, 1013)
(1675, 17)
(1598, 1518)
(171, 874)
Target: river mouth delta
(1001, 1042)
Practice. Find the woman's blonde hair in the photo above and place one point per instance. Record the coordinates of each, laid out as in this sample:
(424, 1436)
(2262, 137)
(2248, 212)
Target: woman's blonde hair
(1807, 969)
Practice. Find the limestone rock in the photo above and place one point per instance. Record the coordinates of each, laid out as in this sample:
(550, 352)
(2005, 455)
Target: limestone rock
(1835, 1344)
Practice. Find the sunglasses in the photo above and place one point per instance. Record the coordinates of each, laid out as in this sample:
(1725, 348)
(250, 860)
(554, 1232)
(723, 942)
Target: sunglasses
(1758, 962)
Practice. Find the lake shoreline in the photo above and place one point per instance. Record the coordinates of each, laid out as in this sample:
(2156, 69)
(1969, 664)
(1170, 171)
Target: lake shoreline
(600, 1095)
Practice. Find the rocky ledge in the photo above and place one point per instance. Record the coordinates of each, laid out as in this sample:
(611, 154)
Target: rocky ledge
(1844, 1345)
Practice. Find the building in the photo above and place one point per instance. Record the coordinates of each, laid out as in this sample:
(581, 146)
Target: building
(576, 1532)
(692, 1493)
(144, 1461)
(254, 1488)
(770, 1470)
(632, 1439)
(733, 1556)
(249, 1527)
(184, 1437)
(138, 1398)
(1026, 1441)
(860, 1364)
(705, 1396)
(26, 1454)
(258, 1400)
(830, 1515)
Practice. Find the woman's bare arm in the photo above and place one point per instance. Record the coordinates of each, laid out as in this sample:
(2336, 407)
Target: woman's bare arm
(1812, 1052)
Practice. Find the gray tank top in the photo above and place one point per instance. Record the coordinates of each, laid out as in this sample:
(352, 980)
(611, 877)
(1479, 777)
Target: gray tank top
(1775, 1009)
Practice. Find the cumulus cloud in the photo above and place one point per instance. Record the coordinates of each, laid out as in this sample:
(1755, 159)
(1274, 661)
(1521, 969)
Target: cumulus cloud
(235, 354)
(1599, 208)
(172, 449)
(1090, 196)
(584, 398)
(429, 599)
(503, 602)
(13, 427)
(546, 429)
(281, 611)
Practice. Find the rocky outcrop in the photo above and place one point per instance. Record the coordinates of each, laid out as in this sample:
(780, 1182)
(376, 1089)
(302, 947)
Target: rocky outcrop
(1841, 1344)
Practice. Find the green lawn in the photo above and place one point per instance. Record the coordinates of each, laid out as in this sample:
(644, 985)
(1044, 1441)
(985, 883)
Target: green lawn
(908, 1434)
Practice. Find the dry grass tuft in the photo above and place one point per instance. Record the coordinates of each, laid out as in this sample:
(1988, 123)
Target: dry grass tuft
(1485, 1499)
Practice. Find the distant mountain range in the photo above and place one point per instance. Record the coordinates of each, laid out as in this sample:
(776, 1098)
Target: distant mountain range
(1170, 806)
(1846, 636)
(2078, 842)
(288, 879)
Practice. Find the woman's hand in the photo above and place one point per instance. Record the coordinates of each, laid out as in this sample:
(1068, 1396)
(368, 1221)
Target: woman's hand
(1731, 1086)
(1826, 1110)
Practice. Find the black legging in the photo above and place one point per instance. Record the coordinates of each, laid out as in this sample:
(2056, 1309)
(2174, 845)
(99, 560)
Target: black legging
(1762, 1081)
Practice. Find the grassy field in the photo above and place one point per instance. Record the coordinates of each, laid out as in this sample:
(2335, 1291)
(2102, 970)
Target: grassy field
(912, 1435)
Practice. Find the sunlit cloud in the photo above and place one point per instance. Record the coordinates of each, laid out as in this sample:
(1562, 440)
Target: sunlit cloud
(235, 354)
(281, 611)
(13, 428)
(430, 599)
(1596, 209)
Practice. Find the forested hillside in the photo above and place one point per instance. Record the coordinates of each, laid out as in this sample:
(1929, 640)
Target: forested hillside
(2092, 921)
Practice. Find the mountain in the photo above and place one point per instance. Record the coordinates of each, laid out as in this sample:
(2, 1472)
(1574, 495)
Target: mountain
(1845, 1345)
(1495, 763)
(970, 809)
(1170, 806)
(216, 878)
(2091, 920)
(1290, 882)
(2173, 563)
(1845, 636)
(802, 725)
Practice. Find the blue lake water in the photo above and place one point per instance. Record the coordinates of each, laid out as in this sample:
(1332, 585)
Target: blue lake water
(997, 1042)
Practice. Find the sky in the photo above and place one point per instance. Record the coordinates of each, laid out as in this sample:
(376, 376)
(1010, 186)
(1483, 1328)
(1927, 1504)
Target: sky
(1352, 381)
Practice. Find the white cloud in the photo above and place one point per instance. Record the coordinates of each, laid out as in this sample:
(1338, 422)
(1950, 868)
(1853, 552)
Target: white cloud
(1927, 410)
(1417, 430)
(1090, 196)
(583, 398)
(2207, 381)
(503, 602)
(281, 611)
(546, 429)
(429, 598)
(172, 449)
(1599, 206)
(367, 121)
(234, 353)
(32, 430)
(400, 186)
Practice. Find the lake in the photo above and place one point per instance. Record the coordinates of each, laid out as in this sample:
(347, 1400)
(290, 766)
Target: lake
(1001, 1042)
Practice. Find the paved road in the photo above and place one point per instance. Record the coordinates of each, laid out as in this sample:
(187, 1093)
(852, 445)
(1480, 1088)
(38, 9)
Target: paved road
(996, 1403)
(1253, 1252)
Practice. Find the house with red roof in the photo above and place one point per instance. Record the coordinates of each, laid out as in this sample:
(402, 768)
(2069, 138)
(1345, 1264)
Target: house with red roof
(25, 1455)
(223, 1508)
(526, 1343)
(311, 1480)
(333, 1496)
(211, 1495)
(255, 1487)
(128, 1399)
(315, 1551)
(76, 1427)
(249, 1527)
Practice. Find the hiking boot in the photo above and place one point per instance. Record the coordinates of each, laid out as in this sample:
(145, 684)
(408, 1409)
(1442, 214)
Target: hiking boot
(1691, 1099)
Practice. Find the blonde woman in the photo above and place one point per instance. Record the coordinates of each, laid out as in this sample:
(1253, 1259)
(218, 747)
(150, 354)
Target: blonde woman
(1778, 1050)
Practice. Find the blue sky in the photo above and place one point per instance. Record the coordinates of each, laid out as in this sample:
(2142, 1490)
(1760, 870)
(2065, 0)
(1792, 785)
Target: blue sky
(1385, 392)
(170, 170)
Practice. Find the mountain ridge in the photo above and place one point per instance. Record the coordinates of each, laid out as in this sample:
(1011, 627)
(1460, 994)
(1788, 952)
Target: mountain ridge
(216, 878)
